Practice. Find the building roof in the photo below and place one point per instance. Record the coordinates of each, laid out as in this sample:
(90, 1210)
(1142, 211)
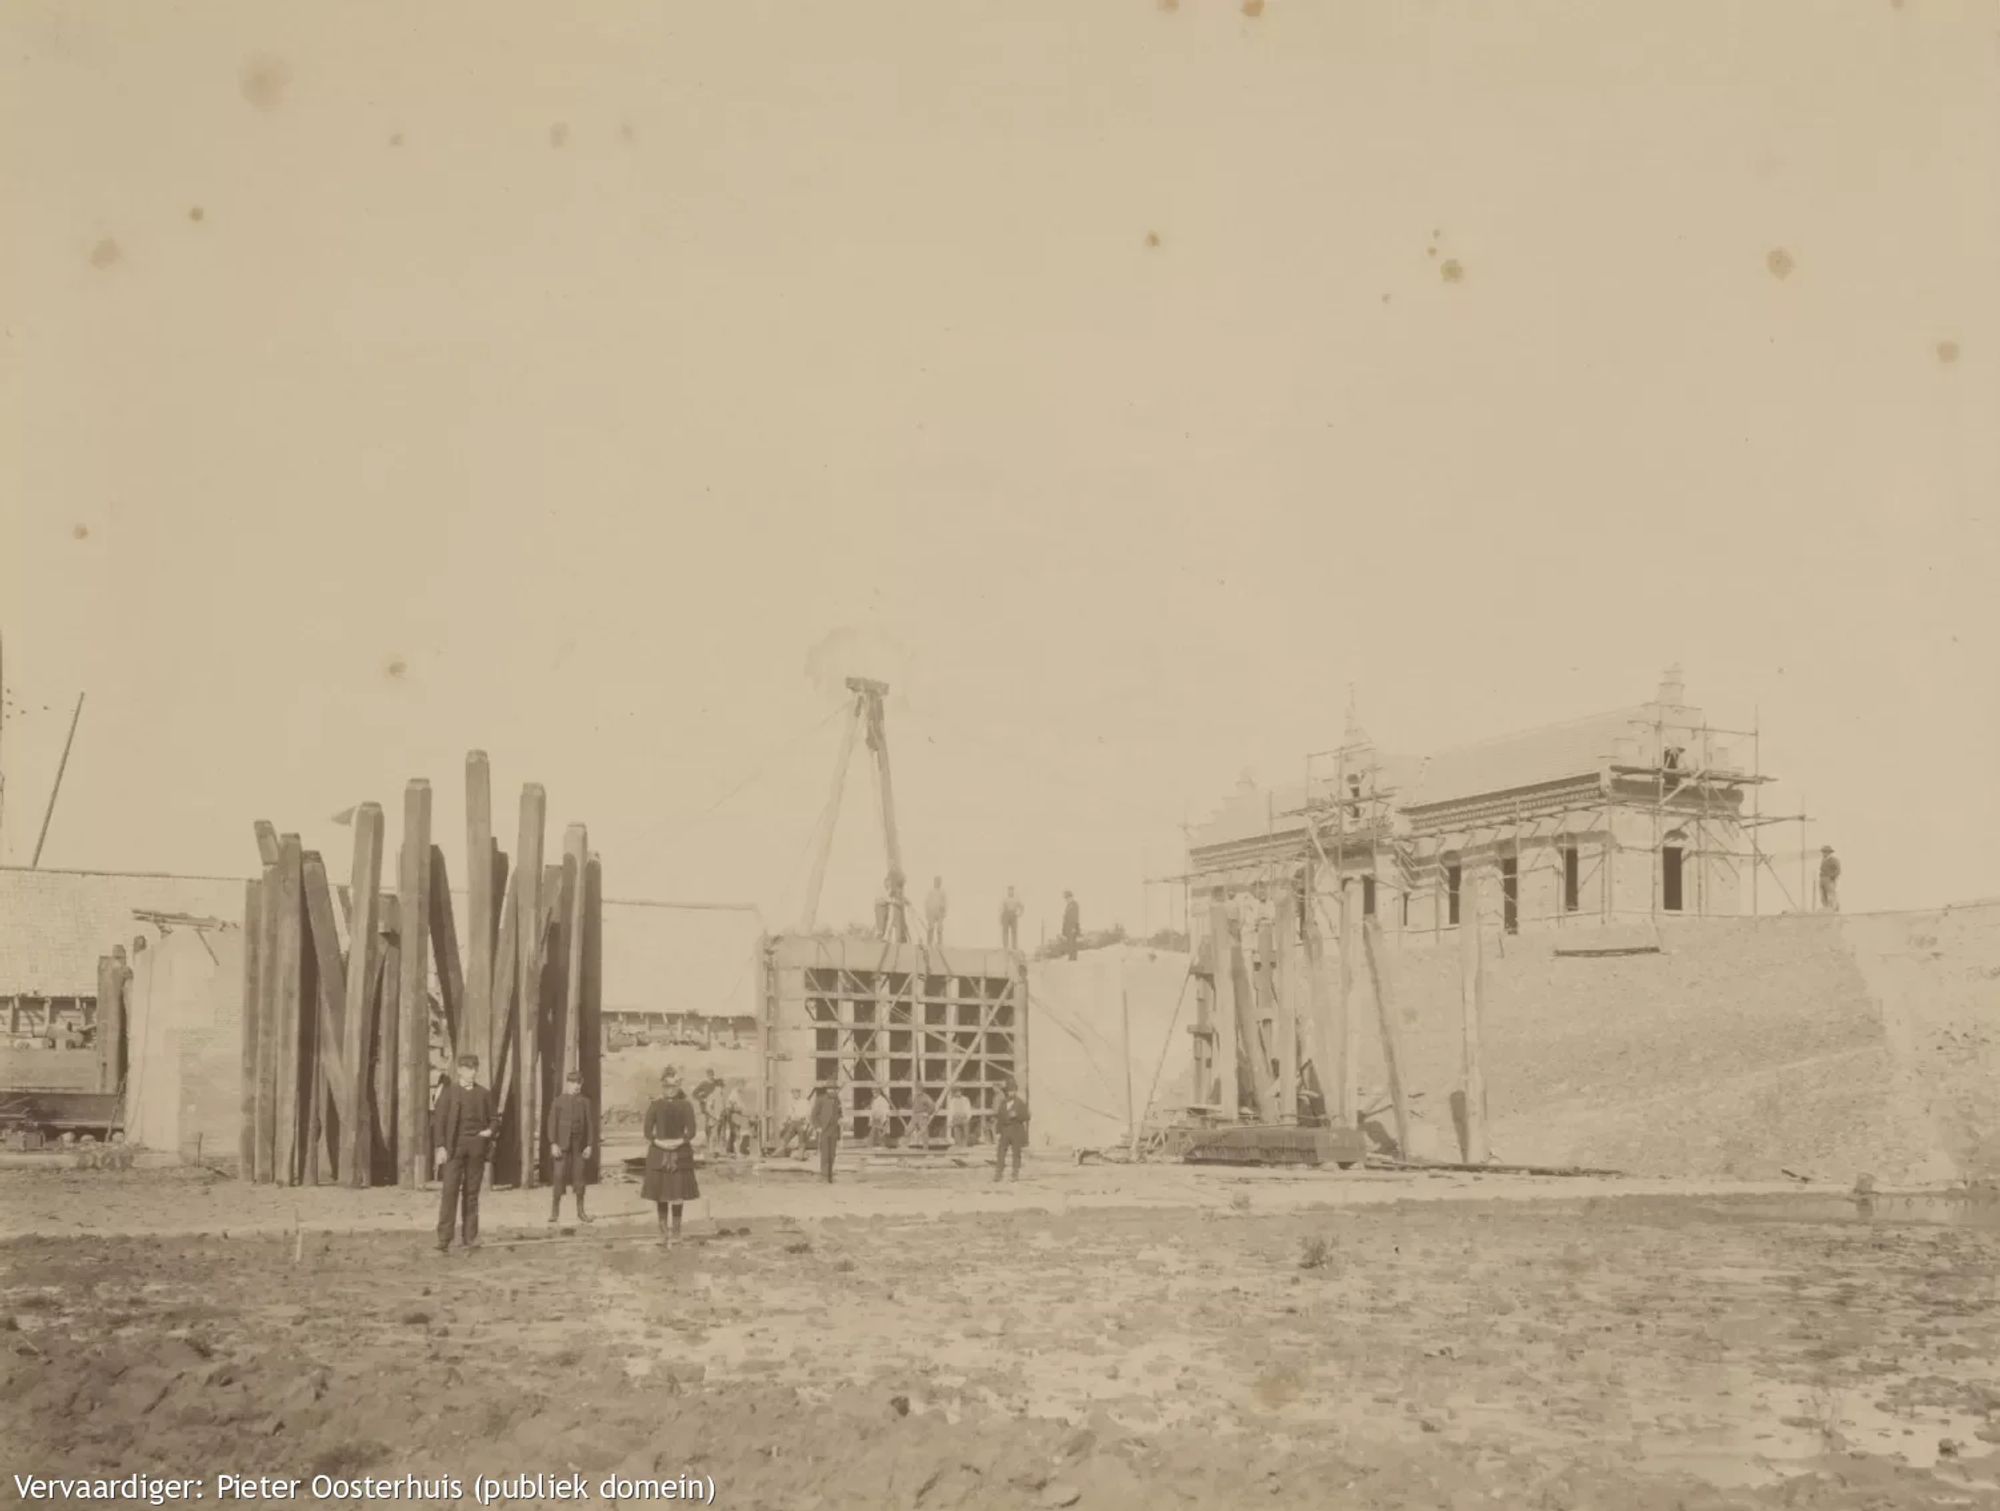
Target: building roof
(1573, 750)
(1532, 758)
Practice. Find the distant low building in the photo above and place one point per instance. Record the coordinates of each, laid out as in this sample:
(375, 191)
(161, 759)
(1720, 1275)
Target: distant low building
(1637, 811)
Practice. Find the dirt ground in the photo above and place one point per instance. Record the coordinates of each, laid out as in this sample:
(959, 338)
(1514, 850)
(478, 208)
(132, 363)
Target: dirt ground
(918, 1341)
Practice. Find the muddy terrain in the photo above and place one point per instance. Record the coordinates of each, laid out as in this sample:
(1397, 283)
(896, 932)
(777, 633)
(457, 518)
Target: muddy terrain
(1616, 1352)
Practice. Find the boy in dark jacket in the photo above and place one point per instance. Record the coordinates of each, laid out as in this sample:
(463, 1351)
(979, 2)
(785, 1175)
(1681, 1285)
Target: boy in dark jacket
(572, 1137)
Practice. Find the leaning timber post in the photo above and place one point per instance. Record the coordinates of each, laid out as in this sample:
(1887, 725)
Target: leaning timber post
(1203, 1030)
(1345, 1017)
(527, 970)
(1471, 990)
(590, 999)
(1225, 1010)
(1316, 1024)
(500, 953)
(476, 1013)
(551, 978)
(576, 859)
(357, 1154)
(413, 1162)
(246, 1131)
(290, 1164)
(1381, 969)
(1287, 999)
(450, 968)
(506, 1038)
(312, 1082)
(266, 1155)
(1250, 1054)
(334, 1086)
(388, 1041)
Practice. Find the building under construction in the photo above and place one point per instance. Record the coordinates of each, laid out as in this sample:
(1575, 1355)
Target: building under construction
(1634, 813)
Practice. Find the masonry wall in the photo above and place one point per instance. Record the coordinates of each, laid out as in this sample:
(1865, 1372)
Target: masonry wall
(1829, 1045)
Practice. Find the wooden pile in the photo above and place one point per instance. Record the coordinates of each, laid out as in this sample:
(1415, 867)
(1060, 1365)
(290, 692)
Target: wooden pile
(344, 1045)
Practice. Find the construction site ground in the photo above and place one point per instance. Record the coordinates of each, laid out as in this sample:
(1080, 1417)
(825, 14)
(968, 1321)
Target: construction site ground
(1093, 1336)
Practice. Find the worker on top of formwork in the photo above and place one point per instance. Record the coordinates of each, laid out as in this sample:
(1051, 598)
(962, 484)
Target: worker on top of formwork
(1829, 880)
(1072, 924)
(896, 915)
(935, 907)
(1010, 921)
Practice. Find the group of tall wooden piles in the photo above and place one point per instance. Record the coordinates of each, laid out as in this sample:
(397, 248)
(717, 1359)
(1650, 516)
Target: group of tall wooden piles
(344, 1043)
(1268, 1003)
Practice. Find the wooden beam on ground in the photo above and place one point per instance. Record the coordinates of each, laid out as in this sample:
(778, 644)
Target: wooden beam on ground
(336, 1069)
(246, 1132)
(289, 1163)
(386, 1164)
(590, 1000)
(266, 1152)
(576, 859)
(1346, 1019)
(1286, 1002)
(1472, 990)
(1224, 977)
(1382, 970)
(413, 1054)
(451, 971)
(527, 888)
(476, 1015)
(364, 954)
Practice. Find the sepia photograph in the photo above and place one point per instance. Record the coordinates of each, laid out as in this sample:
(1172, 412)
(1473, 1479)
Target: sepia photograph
(1102, 754)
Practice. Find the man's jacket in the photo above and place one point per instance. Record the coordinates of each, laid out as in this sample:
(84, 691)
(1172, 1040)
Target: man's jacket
(460, 1115)
(572, 1122)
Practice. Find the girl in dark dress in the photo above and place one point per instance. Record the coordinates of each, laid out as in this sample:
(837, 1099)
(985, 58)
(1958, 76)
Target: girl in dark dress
(670, 1130)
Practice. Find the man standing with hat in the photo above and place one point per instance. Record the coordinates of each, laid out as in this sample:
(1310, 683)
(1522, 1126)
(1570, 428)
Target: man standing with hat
(462, 1122)
(826, 1129)
(1829, 880)
(1012, 1123)
(572, 1137)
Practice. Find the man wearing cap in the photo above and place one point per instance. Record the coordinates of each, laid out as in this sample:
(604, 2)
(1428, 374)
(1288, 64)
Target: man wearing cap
(462, 1122)
(1829, 880)
(572, 1137)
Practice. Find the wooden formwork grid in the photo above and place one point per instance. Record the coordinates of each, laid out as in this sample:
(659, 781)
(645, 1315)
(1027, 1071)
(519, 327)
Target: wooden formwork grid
(884, 1024)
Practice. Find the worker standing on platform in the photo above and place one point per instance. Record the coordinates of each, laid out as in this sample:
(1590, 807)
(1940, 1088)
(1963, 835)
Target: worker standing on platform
(935, 908)
(826, 1129)
(1012, 1122)
(572, 1136)
(1829, 880)
(1072, 924)
(1010, 921)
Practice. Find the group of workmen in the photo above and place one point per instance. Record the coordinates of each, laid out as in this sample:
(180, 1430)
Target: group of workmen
(892, 916)
(465, 1118)
(820, 1124)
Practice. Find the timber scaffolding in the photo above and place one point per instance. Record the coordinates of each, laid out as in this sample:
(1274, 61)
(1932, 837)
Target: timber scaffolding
(344, 1044)
(1350, 827)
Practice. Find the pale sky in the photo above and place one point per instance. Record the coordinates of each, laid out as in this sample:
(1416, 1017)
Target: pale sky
(597, 385)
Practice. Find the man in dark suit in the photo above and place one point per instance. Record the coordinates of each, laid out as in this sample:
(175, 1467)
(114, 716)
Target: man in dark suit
(572, 1136)
(462, 1124)
(1012, 1125)
(826, 1130)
